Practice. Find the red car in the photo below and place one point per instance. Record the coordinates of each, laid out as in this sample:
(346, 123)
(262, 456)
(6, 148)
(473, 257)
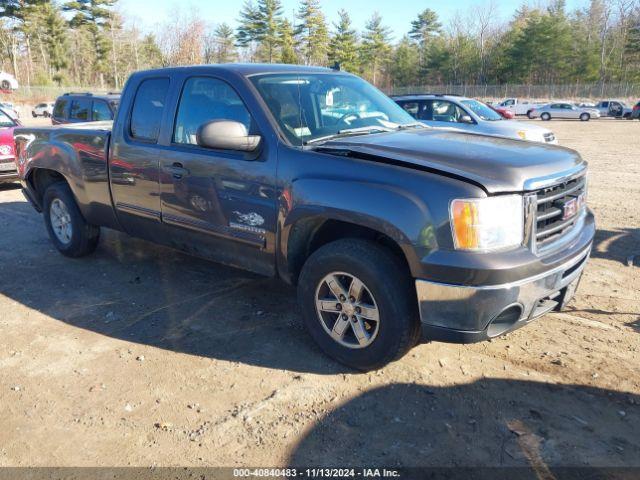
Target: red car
(508, 114)
(8, 172)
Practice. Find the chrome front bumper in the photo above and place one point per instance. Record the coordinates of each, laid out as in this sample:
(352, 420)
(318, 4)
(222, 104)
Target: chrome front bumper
(466, 314)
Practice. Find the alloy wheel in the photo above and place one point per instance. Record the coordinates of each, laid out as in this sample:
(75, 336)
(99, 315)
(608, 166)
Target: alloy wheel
(347, 310)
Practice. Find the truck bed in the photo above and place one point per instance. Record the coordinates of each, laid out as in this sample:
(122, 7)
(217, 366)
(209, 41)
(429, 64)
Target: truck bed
(79, 152)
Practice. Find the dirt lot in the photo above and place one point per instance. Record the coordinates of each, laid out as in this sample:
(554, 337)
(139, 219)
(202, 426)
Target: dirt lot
(142, 356)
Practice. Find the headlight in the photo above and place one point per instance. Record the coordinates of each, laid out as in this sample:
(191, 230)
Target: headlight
(5, 150)
(487, 224)
(522, 134)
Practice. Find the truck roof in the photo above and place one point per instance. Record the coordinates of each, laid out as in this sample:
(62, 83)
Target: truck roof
(245, 69)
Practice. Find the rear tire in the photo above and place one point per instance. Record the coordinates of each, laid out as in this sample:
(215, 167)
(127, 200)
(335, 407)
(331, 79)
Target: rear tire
(67, 228)
(585, 117)
(545, 116)
(387, 293)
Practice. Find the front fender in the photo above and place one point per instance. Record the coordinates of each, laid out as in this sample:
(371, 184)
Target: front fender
(389, 210)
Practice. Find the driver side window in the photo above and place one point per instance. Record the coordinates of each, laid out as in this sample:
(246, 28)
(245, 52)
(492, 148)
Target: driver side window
(445, 111)
(204, 99)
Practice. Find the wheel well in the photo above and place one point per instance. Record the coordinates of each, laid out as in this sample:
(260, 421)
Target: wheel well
(307, 236)
(41, 178)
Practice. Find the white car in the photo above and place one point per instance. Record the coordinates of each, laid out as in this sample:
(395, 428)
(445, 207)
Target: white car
(8, 81)
(43, 110)
(564, 110)
(518, 106)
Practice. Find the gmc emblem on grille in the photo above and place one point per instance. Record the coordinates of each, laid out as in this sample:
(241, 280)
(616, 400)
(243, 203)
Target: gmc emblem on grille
(570, 208)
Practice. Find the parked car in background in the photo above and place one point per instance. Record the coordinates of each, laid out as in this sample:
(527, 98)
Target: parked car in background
(517, 106)
(10, 109)
(614, 108)
(85, 107)
(316, 177)
(8, 81)
(635, 112)
(43, 110)
(469, 115)
(564, 110)
(8, 172)
(508, 114)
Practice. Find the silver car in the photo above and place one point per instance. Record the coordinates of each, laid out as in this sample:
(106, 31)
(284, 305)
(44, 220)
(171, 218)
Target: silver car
(564, 110)
(470, 115)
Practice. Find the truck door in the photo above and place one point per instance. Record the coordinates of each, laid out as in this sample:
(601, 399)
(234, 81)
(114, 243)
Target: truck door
(218, 204)
(134, 160)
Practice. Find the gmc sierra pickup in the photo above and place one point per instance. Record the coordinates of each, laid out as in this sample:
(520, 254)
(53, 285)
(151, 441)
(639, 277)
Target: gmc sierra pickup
(314, 176)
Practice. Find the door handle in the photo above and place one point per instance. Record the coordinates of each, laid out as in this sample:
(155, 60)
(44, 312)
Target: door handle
(177, 170)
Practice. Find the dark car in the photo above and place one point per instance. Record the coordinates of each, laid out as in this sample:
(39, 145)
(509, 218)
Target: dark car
(635, 113)
(85, 107)
(316, 177)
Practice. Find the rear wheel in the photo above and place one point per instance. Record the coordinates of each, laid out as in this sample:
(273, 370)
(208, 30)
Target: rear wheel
(545, 116)
(67, 228)
(358, 303)
(585, 117)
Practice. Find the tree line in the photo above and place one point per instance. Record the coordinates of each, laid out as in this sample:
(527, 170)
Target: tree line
(91, 43)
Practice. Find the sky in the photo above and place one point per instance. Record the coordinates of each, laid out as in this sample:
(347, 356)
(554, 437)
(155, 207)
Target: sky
(397, 14)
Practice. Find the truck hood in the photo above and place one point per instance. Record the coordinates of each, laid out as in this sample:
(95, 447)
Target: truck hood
(496, 164)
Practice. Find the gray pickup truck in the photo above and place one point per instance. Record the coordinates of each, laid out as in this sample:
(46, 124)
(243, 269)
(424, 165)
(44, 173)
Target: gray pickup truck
(386, 226)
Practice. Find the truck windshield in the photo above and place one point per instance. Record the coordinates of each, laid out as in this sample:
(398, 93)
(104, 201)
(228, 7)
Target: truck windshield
(483, 111)
(314, 107)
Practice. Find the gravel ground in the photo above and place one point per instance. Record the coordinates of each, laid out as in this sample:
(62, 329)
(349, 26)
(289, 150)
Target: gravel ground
(143, 356)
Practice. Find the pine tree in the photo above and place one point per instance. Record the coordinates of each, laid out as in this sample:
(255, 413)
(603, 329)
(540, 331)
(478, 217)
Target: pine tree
(224, 44)
(405, 68)
(56, 41)
(268, 24)
(94, 15)
(247, 31)
(375, 46)
(423, 30)
(343, 46)
(312, 33)
(287, 43)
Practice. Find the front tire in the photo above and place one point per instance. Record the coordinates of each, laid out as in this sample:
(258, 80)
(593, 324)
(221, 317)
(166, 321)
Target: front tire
(358, 303)
(545, 116)
(530, 114)
(67, 228)
(585, 117)
(5, 85)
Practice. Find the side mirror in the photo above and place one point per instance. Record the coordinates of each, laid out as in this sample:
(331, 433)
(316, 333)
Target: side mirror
(466, 119)
(226, 135)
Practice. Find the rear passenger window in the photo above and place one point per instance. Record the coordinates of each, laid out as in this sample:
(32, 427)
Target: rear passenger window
(100, 111)
(80, 110)
(148, 107)
(59, 109)
(205, 99)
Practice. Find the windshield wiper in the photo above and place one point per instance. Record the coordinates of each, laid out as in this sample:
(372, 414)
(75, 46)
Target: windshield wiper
(406, 126)
(348, 132)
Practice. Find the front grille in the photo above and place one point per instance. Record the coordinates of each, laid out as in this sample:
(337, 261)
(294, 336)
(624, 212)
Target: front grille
(549, 137)
(551, 223)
